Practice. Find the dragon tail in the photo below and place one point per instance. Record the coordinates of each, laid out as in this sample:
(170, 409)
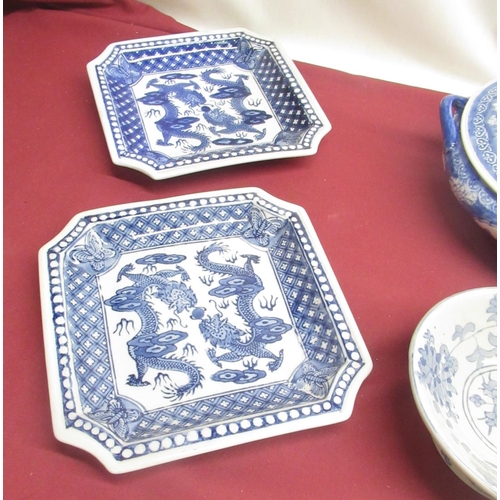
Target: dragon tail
(170, 389)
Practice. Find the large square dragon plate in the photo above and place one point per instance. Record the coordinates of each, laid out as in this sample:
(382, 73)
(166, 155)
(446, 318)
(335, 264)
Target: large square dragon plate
(177, 104)
(181, 326)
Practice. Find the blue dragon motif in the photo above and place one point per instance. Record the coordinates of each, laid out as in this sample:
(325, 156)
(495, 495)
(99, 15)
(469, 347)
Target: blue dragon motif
(243, 283)
(171, 124)
(152, 348)
(236, 92)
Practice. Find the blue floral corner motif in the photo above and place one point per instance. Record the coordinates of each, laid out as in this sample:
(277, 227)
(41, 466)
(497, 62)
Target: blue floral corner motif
(119, 416)
(262, 228)
(183, 320)
(172, 105)
(94, 252)
(315, 378)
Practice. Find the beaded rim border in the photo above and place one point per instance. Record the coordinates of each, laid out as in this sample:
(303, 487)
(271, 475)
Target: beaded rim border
(320, 124)
(99, 441)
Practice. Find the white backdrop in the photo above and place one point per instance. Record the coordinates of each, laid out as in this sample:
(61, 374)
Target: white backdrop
(445, 45)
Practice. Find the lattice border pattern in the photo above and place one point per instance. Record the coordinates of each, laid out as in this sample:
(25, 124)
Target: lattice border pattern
(81, 338)
(291, 107)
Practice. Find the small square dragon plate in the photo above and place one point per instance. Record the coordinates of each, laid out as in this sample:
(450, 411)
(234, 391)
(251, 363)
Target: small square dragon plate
(178, 104)
(186, 325)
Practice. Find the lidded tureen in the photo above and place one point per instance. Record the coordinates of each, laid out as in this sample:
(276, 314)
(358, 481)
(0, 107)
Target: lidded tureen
(470, 152)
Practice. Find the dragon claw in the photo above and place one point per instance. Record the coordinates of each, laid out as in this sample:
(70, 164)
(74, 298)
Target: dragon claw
(213, 357)
(274, 365)
(134, 381)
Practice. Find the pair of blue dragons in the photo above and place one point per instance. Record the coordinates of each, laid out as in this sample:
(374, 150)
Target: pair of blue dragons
(152, 348)
(183, 88)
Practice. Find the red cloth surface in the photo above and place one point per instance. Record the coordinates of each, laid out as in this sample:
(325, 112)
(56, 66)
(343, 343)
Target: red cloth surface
(378, 198)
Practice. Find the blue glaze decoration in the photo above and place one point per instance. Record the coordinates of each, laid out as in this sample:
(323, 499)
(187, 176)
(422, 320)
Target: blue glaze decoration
(183, 103)
(472, 180)
(453, 374)
(479, 129)
(209, 316)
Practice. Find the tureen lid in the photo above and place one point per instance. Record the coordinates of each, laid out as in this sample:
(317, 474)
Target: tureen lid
(479, 133)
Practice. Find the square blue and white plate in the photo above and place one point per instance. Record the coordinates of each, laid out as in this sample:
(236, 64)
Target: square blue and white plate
(178, 104)
(182, 326)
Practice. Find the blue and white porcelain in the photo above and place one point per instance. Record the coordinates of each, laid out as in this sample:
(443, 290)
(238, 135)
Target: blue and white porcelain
(178, 104)
(470, 156)
(181, 326)
(453, 375)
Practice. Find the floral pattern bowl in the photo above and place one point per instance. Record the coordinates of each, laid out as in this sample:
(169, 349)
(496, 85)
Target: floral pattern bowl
(453, 376)
(470, 146)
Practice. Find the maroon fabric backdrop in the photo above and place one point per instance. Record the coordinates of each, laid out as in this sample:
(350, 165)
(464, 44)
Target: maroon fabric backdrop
(376, 193)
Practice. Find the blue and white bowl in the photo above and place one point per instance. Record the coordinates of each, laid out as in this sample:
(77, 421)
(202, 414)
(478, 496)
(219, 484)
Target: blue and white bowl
(453, 376)
(470, 152)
